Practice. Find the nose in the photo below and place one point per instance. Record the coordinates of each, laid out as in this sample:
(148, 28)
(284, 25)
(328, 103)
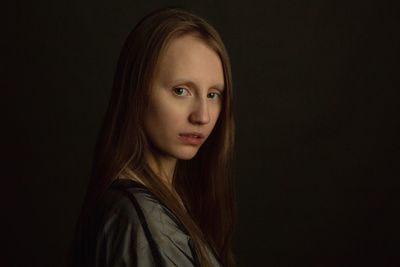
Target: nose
(200, 114)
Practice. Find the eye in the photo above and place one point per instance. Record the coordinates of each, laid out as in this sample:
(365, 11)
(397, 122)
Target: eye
(214, 95)
(181, 91)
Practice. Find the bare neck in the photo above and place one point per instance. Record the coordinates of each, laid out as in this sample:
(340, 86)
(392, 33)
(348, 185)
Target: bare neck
(164, 167)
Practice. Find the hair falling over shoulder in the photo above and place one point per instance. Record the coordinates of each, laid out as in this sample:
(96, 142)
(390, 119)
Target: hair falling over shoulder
(205, 182)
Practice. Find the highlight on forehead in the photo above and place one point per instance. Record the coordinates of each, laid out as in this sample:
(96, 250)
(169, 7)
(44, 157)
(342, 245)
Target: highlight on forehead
(205, 39)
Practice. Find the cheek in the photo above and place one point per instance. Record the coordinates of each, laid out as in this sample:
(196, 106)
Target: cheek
(216, 112)
(165, 115)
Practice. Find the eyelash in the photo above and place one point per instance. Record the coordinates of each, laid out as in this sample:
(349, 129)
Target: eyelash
(179, 88)
(217, 94)
(175, 89)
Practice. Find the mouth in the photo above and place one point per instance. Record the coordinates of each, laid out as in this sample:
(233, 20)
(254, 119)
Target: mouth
(192, 138)
(193, 135)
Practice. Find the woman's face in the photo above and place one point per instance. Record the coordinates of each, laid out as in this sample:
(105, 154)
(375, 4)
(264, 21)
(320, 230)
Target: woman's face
(186, 98)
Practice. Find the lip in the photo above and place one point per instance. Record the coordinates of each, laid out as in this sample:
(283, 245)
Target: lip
(198, 134)
(192, 138)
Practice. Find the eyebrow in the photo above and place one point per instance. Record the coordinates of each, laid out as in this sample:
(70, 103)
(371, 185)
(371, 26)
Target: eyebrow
(217, 86)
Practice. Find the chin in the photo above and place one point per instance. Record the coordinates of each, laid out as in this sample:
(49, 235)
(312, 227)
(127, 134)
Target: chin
(187, 154)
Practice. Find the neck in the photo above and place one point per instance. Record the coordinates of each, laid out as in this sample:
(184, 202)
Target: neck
(164, 167)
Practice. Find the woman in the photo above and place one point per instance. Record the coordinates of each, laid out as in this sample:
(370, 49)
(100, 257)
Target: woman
(161, 191)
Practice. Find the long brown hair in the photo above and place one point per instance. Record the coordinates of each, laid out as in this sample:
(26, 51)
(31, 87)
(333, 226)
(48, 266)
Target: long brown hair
(205, 182)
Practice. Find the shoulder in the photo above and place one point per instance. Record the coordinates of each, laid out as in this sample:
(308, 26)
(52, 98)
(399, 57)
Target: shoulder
(120, 198)
(132, 201)
(130, 217)
(129, 226)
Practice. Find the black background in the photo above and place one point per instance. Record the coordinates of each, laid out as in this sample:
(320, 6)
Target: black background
(317, 116)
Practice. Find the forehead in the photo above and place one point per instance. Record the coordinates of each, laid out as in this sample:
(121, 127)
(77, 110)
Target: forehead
(190, 58)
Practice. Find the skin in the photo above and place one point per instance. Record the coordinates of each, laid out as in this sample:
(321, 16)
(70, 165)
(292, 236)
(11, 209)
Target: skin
(186, 96)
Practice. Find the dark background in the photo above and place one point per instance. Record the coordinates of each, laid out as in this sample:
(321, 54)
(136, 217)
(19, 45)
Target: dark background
(317, 154)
